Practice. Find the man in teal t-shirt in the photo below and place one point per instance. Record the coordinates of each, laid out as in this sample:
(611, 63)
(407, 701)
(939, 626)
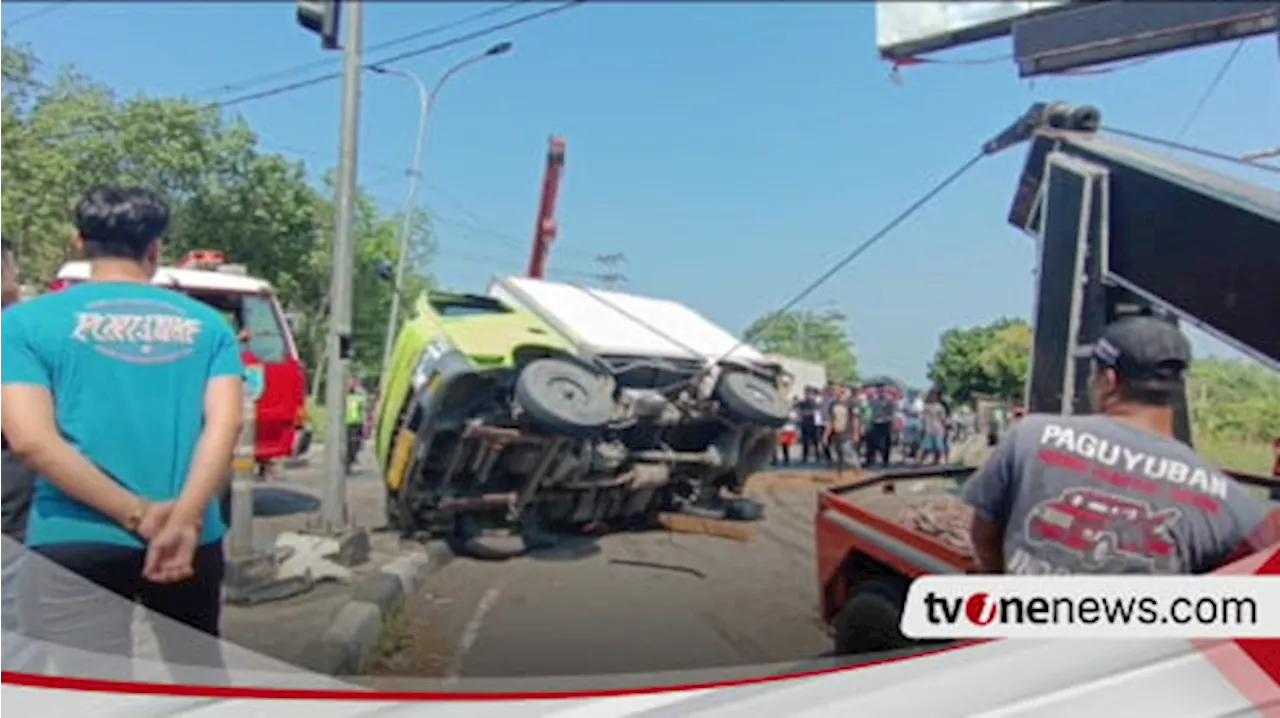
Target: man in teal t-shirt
(125, 399)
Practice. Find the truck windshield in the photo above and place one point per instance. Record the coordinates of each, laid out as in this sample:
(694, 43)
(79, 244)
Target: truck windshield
(466, 306)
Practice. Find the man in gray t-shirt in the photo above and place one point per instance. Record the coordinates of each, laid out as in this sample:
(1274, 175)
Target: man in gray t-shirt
(1113, 492)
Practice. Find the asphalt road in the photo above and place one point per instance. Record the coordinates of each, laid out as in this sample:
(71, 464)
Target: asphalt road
(624, 603)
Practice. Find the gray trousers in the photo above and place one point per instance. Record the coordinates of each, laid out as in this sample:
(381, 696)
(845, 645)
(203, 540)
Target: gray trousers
(18, 652)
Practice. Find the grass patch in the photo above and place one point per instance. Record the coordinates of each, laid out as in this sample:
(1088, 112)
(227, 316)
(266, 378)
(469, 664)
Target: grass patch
(392, 638)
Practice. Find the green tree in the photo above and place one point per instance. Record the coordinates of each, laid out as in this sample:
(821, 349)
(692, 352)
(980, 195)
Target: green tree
(814, 336)
(990, 359)
(1006, 359)
(1234, 400)
(68, 133)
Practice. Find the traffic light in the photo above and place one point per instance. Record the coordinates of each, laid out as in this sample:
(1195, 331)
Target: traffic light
(321, 17)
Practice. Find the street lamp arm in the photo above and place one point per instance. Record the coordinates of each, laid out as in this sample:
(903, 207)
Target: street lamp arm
(426, 101)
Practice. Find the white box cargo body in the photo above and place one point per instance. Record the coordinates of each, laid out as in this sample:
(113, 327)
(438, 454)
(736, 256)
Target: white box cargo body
(604, 323)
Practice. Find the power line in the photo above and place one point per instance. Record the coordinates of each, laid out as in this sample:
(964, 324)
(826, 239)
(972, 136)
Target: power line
(610, 276)
(321, 64)
(434, 47)
(856, 252)
(1208, 92)
(503, 236)
(514, 260)
(320, 79)
(55, 6)
(1193, 149)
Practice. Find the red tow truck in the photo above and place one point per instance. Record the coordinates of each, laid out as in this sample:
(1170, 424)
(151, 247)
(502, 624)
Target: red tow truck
(1100, 259)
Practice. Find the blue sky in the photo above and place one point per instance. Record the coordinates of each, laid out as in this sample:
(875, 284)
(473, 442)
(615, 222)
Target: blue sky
(732, 152)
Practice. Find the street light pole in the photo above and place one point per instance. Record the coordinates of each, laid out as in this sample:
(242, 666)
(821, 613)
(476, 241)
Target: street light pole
(426, 100)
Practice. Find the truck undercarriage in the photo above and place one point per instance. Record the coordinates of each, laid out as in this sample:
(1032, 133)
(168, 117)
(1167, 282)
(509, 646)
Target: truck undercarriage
(507, 453)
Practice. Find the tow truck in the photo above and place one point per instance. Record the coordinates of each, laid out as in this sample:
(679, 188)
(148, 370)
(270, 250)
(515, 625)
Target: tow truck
(1120, 230)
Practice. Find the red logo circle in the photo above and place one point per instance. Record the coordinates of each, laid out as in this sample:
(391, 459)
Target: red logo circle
(980, 609)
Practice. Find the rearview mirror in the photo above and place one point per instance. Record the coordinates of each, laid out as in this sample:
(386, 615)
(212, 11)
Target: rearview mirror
(385, 270)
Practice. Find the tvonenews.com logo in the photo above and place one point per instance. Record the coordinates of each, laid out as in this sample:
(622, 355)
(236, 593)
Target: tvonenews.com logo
(984, 609)
(1092, 606)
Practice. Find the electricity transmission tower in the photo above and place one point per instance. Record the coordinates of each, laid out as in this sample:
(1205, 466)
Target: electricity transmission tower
(609, 276)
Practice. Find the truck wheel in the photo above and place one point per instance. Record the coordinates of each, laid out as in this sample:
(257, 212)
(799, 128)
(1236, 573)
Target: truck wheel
(869, 621)
(468, 540)
(753, 399)
(563, 398)
(394, 520)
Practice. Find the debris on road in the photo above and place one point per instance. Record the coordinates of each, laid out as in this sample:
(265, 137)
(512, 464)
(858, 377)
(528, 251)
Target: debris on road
(796, 480)
(311, 556)
(943, 518)
(682, 523)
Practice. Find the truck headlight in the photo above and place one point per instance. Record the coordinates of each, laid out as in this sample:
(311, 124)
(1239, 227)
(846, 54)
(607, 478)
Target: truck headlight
(435, 349)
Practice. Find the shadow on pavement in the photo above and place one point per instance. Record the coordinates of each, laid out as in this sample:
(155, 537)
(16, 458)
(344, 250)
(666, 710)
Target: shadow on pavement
(279, 501)
(567, 547)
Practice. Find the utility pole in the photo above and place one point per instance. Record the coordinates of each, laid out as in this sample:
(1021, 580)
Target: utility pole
(333, 509)
(610, 277)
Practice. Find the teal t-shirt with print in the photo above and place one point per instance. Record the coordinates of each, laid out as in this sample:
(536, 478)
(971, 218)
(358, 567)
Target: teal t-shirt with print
(127, 365)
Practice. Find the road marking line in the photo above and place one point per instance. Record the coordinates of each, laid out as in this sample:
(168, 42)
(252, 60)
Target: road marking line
(471, 632)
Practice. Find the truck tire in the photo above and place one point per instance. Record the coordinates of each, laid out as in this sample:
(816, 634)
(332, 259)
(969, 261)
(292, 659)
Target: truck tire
(563, 398)
(869, 621)
(753, 399)
(468, 540)
(394, 520)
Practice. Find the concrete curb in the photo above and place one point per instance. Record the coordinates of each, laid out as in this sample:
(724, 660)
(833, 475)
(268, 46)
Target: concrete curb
(355, 631)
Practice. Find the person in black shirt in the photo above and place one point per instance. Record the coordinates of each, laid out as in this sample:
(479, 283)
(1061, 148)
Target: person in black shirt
(810, 438)
(15, 504)
(18, 480)
(880, 430)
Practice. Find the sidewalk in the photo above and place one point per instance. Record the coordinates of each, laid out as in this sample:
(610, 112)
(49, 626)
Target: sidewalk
(283, 629)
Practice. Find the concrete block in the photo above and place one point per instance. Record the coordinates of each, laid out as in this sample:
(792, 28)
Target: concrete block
(354, 548)
(250, 570)
(276, 589)
(328, 657)
(353, 637)
(410, 570)
(384, 590)
(358, 627)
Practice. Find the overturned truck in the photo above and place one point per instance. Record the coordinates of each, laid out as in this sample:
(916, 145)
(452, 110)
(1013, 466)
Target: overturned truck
(543, 406)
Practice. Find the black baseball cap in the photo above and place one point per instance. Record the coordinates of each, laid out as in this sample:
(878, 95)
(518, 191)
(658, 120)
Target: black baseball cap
(1145, 349)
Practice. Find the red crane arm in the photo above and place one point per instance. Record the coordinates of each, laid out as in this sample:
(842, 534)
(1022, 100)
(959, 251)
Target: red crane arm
(544, 232)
